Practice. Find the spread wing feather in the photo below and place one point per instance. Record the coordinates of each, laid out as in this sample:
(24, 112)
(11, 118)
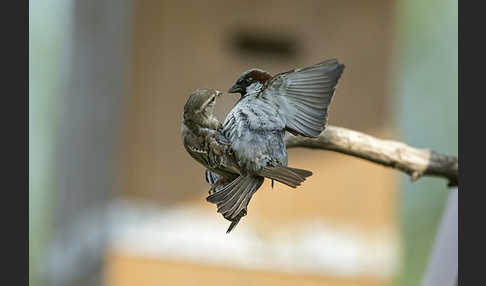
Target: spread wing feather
(304, 96)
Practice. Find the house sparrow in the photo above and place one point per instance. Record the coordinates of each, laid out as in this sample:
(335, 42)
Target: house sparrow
(206, 144)
(296, 101)
(200, 135)
(203, 139)
(250, 146)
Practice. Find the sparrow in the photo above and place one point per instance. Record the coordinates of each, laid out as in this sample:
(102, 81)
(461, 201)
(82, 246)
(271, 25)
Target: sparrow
(249, 146)
(203, 140)
(296, 101)
(200, 135)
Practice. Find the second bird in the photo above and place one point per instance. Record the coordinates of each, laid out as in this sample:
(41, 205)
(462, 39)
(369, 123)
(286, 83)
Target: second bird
(296, 101)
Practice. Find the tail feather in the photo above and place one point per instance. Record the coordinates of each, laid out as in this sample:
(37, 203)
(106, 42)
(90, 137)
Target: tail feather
(221, 196)
(234, 197)
(241, 204)
(235, 201)
(236, 220)
(232, 225)
(301, 172)
(292, 177)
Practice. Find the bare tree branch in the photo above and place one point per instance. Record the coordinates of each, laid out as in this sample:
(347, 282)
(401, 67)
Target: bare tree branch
(394, 154)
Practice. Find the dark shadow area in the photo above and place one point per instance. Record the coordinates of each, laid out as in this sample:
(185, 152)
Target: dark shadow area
(270, 45)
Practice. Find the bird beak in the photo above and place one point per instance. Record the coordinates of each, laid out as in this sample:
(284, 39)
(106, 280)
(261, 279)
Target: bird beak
(235, 89)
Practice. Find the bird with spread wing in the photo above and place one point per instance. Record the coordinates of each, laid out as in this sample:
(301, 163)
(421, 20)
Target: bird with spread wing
(250, 142)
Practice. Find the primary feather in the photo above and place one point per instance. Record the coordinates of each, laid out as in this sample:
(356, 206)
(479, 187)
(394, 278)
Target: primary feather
(304, 96)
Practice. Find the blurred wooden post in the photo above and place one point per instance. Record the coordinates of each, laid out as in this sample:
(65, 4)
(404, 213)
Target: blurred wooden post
(87, 144)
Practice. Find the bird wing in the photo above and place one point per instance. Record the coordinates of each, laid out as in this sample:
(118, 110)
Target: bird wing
(222, 164)
(303, 96)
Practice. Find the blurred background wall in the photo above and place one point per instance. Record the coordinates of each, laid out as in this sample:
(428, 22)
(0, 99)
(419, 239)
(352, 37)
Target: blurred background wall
(115, 199)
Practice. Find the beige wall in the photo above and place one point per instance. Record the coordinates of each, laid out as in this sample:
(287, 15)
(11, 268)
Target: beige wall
(126, 270)
(180, 46)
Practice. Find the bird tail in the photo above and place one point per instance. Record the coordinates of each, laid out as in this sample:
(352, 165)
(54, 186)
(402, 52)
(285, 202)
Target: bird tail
(236, 220)
(232, 225)
(292, 177)
(233, 197)
(309, 92)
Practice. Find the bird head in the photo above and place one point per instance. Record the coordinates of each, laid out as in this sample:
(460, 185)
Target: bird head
(248, 78)
(199, 107)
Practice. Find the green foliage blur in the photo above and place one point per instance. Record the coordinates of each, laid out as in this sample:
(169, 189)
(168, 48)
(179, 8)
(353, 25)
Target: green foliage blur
(426, 112)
